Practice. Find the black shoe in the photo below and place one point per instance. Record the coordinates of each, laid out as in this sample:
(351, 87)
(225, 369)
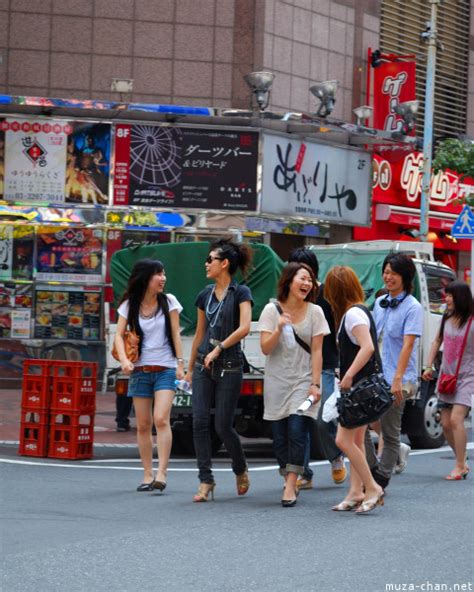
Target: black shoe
(123, 428)
(146, 486)
(288, 503)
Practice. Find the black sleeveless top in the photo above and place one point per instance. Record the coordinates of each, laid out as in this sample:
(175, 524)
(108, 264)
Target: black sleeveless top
(348, 350)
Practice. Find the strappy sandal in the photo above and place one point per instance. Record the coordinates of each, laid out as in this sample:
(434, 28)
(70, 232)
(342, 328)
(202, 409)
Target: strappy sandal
(203, 492)
(370, 504)
(243, 483)
(347, 505)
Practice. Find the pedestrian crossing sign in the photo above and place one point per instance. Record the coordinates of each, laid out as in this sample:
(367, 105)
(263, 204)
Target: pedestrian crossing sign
(464, 225)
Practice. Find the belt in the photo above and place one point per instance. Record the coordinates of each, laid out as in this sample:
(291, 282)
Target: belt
(150, 368)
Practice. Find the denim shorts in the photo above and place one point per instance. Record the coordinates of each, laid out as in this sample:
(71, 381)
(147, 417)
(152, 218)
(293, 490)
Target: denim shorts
(145, 384)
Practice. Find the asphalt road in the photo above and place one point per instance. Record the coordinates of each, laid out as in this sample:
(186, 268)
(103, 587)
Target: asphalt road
(81, 526)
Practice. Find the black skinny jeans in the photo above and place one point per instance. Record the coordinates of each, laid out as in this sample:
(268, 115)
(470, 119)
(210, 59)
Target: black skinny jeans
(223, 386)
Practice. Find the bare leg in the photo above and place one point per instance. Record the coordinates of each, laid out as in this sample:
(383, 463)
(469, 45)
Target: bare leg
(351, 442)
(447, 429)
(458, 414)
(145, 444)
(290, 486)
(164, 437)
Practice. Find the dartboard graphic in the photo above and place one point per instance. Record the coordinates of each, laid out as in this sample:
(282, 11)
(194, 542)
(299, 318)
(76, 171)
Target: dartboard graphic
(155, 155)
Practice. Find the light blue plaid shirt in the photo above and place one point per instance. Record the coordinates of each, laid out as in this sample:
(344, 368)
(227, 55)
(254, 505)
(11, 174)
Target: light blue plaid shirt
(393, 324)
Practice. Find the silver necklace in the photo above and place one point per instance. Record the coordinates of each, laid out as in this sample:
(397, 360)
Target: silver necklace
(213, 314)
(147, 316)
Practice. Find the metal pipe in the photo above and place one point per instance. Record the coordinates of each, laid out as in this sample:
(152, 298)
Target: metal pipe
(430, 36)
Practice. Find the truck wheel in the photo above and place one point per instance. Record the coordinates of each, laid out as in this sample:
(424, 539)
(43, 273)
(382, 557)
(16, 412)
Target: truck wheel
(423, 421)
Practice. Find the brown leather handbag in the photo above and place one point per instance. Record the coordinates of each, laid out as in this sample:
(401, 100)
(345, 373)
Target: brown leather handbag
(131, 342)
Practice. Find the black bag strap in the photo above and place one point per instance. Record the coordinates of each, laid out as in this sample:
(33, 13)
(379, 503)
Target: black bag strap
(298, 339)
(373, 333)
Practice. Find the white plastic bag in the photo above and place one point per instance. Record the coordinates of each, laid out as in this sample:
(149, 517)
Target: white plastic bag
(330, 406)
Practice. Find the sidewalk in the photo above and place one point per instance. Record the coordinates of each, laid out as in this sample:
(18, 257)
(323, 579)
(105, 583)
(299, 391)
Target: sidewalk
(104, 431)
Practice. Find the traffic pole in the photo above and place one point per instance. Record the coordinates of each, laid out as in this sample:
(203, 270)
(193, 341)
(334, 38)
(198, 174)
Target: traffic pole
(430, 35)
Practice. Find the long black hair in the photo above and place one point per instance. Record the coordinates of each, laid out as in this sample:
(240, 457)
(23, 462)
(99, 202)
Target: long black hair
(140, 277)
(462, 301)
(238, 254)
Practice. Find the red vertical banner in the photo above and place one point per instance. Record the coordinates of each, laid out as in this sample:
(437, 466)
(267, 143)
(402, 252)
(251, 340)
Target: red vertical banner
(394, 83)
(122, 164)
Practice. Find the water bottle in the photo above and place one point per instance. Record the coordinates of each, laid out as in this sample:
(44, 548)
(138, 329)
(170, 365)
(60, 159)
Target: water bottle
(305, 405)
(183, 385)
(288, 335)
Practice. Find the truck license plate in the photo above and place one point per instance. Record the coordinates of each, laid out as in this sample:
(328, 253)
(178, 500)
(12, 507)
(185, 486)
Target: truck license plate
(182, 400)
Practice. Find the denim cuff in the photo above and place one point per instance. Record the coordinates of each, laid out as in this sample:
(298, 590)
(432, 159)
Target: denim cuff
(294, 469)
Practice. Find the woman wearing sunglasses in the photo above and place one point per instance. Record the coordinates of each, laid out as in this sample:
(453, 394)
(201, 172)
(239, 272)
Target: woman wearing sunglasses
(224, 313)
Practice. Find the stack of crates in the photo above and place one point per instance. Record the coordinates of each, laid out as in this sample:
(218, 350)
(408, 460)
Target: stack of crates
(66, 411)
(35, 400)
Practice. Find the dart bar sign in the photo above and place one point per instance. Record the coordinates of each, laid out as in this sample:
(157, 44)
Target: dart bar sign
(195, 168)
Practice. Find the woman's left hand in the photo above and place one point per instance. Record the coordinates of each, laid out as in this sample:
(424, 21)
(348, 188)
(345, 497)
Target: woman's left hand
(212, 357)
(346, 383)
(315, 392)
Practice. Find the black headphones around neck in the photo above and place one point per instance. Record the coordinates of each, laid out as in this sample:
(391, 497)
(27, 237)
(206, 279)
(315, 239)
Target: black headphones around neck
(386, 303)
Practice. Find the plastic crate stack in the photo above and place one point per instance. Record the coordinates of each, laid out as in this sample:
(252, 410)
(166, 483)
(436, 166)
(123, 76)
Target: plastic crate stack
(58, 409)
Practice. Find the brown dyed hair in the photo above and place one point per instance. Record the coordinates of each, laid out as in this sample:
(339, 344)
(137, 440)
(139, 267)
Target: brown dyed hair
(287, 276)
(342, 289)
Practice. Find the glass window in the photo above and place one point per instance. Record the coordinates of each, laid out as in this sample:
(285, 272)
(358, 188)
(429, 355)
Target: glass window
(437, 279)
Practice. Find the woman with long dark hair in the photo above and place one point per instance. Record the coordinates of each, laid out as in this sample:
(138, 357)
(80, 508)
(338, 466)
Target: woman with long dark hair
(456, 326)
(224, 314)
(154, 317)
(292, 369)
(357, 340)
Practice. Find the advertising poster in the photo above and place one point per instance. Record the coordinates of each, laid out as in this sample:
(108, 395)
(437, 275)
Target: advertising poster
(69, 254)
(202, 169)
(54, 161)
(67, 313)
(20, 324)
(88, 164)
(5, 322)
(316, 181)
(35, 159)
(6, 252)
(16, 295)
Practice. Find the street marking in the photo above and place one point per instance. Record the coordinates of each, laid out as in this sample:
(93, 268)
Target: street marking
(470, 446)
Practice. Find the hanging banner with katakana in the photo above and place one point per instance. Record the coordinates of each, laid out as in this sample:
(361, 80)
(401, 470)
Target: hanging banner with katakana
(204, 169)
(54, 161)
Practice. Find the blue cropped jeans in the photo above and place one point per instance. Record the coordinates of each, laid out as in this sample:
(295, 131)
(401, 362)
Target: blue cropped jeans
(289, 441)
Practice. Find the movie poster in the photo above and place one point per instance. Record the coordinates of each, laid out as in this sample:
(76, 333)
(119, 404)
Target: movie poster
(16, 252)
(69, 254)
(54, 161)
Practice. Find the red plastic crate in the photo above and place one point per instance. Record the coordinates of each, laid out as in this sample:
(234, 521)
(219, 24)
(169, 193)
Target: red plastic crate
(34, 433)
(71, 435)
(36, 390)
(74, 386)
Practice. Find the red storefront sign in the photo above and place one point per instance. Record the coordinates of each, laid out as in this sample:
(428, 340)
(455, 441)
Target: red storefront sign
(394, 83)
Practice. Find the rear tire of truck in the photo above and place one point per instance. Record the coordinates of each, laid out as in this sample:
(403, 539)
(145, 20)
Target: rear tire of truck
(422, 421)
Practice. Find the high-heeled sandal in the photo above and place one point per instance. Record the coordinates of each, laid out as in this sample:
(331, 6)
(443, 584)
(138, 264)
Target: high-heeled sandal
(203, 492)
(243, 483)
(456, 476)
(370, 504)
(347, 505)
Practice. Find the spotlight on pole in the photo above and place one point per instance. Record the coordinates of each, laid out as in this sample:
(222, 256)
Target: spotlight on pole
(326, 93)
(260, 83)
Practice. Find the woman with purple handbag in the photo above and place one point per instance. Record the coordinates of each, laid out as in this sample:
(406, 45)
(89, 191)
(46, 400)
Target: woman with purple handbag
(455, 384)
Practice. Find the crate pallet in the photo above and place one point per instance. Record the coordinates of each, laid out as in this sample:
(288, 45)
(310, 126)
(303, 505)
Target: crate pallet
(36, 388)
(74, 386)
(71, 435)
(34, 433)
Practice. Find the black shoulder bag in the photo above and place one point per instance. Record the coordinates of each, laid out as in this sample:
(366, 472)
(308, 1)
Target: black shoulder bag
(370, 397)
(298, 339)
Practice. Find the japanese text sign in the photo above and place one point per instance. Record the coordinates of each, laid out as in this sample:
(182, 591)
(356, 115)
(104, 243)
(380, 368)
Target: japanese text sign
(333, 184)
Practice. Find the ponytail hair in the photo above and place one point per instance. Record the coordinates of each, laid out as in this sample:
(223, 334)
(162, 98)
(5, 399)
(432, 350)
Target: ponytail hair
(239, 255)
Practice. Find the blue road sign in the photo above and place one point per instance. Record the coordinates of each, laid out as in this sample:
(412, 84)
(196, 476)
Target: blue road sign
(464, 225)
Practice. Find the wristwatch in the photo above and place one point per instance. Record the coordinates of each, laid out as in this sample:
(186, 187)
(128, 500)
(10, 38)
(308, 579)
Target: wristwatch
(220, 346)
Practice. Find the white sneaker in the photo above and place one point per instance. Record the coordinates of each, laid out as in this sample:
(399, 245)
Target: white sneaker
(402, 458)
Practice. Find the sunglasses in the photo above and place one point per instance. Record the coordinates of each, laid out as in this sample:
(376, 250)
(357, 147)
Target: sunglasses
(210, 259)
